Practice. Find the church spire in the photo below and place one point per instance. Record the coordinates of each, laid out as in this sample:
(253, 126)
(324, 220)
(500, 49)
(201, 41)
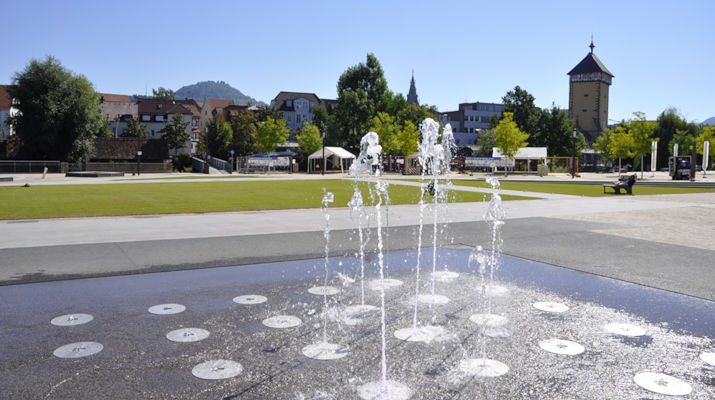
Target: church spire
(412, 94)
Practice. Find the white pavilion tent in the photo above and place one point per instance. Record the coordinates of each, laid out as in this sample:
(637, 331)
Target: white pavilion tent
(337, 155)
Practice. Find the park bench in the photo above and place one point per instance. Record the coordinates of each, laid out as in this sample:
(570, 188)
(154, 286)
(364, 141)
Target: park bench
(624, 182)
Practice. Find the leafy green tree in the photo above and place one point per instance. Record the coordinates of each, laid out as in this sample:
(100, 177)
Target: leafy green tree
(59, 115)
(407, 138)
(271, 133)
(217, 139)
(669, 121)
(508, 137)
(486, 143)
(554, 130)
(244, 126)
(707, 134)
(264, 112)
(521, 104)
(163, 93)
(362, 93)
(309, 139)
(175, 133)
(135, 129)
(387, 129)
(620, 144)
(641, 132)
(685, 139)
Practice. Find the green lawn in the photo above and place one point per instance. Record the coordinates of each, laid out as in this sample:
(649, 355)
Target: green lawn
(17, 202)
(578, 189)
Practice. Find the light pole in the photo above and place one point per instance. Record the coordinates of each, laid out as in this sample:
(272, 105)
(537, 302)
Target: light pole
(573, 160)
(139, 162)
(322, 170)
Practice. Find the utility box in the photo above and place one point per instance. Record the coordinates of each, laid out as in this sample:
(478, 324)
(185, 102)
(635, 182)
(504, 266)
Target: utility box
(680, 167)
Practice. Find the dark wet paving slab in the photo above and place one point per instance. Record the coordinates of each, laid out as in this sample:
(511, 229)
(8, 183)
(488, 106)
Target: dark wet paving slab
(139, 362)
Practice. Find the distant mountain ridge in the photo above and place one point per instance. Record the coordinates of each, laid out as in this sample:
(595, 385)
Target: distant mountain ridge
(709, 121)
(218, 90)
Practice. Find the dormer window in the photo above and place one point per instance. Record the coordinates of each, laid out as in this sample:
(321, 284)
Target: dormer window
(289, 103)
(146, 117)
(160, 118)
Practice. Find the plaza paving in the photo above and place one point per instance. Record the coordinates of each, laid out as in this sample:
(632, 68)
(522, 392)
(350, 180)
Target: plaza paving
(662, 242)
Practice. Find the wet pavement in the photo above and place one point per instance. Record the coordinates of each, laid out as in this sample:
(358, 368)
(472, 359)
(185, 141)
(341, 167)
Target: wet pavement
(138, 361)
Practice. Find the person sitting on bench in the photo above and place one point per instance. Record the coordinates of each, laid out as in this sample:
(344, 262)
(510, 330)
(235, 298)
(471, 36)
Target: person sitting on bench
(625, 184)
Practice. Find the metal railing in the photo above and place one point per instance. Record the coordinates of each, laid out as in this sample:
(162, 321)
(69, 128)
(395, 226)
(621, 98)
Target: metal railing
(220, 164)
(29, 166)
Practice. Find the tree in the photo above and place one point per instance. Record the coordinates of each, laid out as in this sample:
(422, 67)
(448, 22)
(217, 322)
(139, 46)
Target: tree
(163, 93)
(620, 144)
(521, 104)
(407, 138)
(175, 133)
(669, 121)
(309, 139)
(554, 130)
(641, 133)
(244, 129)
(384, 125)
(134, 129)
(706, 135)
(271, 133)
(264, 112)
(58, 112)
(486, 143)
(508, 137)
(217, 139)
(684, 139)
(362, 93)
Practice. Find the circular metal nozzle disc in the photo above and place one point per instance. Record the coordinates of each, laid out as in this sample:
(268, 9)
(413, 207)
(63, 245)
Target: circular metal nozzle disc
(166, 309)
(250, 299)
(444, 276)
(185, 335)
(325, 351)
(560, 346)
(384, 284)
(432, 299)
(426, 333)
(661, 383)
(483, 367)
(551, 306)
(391, 390)
(625, 329)
(324, 290)
(282, 321)
(489, 320)
(708, 357)
(217, 369)
(77, 350)
(71, 319)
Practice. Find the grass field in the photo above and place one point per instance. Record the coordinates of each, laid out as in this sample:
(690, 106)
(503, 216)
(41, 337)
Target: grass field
(578, 189)
(18, 202)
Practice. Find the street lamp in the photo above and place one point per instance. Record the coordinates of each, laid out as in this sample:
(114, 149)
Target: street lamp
(573, 160)
(322, 170)
(139, 162)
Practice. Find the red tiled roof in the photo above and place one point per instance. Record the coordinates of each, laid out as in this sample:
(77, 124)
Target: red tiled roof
(5, 101)
(217, 103)
(108, 97)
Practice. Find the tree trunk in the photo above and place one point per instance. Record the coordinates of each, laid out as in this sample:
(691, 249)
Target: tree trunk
(619, 165)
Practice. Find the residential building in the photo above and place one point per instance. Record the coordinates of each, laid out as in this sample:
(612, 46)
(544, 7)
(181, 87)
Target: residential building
(589, 82)
(118, 109)
(209, 108)
(296, 108)
(7, 110)
(470, 119)
(157, 113)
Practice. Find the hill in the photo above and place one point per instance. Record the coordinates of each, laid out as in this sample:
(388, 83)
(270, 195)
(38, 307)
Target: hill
(709, 121)
(218, 90)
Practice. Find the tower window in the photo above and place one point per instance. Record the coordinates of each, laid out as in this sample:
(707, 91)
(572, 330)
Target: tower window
(585, 95)
(584, 110)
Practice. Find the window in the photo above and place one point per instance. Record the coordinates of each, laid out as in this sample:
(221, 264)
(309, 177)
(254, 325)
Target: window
(289, 103)
(146, 117)
(297, 119)
(160, 118)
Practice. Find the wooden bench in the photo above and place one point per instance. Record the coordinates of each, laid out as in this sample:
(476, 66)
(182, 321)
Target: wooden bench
(623, 183)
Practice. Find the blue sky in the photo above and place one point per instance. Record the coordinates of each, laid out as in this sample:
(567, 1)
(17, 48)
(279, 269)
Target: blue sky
(459, 50)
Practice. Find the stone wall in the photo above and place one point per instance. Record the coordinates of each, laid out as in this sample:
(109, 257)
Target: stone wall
(130, 167)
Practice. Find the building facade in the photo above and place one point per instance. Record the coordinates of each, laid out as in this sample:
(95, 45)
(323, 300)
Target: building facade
(470, 119)
(7, 110)
(589, 82)
(296, 108)
(118, 109)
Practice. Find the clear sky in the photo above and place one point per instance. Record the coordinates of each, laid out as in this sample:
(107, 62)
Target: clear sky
(460, 51)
